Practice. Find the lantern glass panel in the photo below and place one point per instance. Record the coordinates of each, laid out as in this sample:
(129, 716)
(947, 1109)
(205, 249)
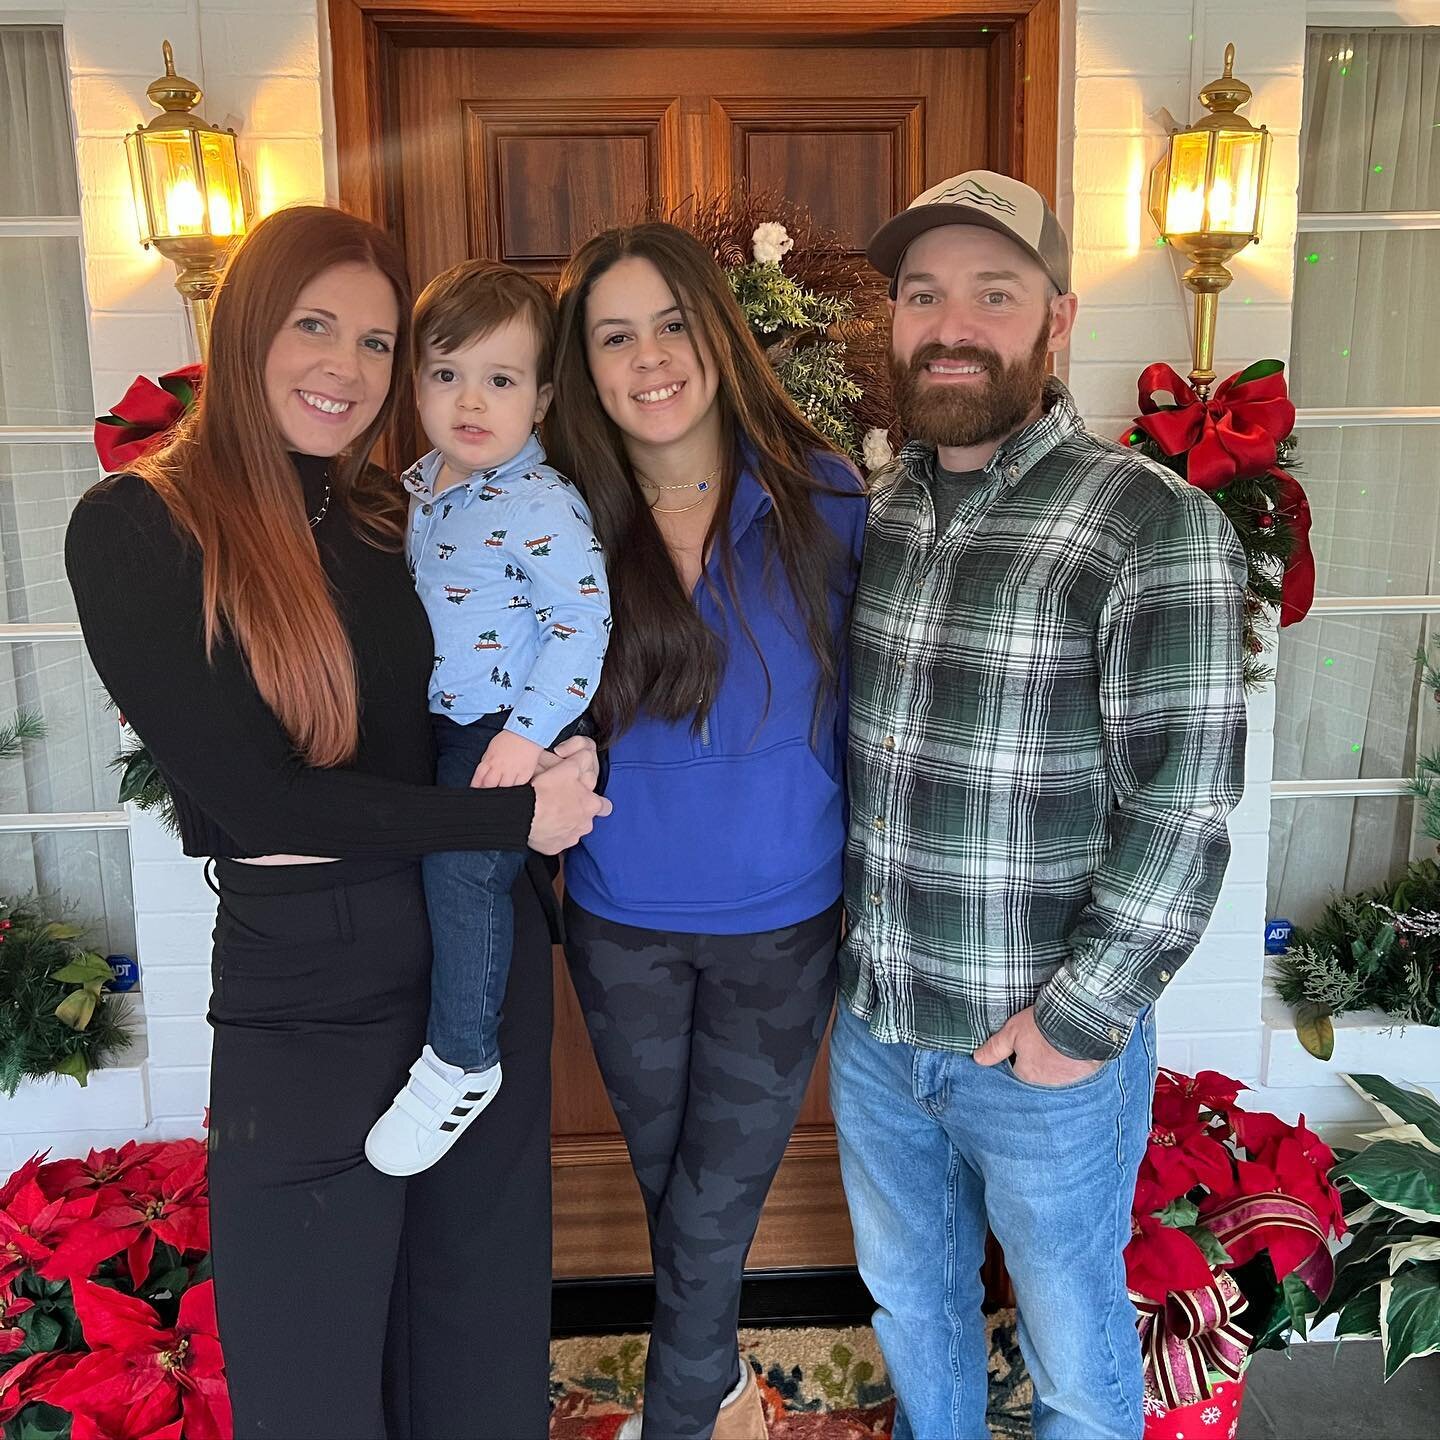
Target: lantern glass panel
(1235, 192)
(136, 158)
(1189, 165)
(176, 198)
(222, 183)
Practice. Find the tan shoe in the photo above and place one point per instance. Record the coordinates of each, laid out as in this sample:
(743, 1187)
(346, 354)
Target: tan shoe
(742, 1416)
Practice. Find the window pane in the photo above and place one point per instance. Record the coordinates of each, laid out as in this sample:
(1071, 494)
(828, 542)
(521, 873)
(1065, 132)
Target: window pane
(84, 872)
(70, 768)
(1367, 319)
(44, 352)
(37, 159)
(39, 485)
(1348, 704)
(1375, 505)
(1371, 111)
(1336, 846)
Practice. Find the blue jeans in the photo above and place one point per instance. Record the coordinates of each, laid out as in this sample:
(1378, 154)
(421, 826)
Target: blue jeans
(932, 1148)
(472, 919)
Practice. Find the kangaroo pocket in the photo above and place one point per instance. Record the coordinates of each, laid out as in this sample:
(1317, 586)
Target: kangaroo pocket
(722, 831)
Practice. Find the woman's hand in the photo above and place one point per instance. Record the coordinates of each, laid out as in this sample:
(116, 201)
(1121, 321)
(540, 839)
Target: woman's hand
(581, 748)
(566, 805)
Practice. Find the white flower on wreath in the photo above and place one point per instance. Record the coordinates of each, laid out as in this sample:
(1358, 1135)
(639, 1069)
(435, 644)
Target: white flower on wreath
(771, 243)
(875, 449)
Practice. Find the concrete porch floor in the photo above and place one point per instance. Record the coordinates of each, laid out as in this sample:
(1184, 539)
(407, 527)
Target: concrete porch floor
(1331, 1391)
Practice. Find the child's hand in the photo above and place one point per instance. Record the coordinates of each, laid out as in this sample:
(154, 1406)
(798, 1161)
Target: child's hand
(510, 759)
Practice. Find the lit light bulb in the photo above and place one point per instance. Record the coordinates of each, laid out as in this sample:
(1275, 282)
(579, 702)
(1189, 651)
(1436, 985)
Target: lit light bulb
(1186, 211)
(185, 208)
(222, 217)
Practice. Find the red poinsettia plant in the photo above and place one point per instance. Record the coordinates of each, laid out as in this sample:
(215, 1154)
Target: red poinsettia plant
(1229, 1250)
(107, 1308)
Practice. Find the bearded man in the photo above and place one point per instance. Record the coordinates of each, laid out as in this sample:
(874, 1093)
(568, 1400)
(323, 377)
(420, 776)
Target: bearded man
(1047, 732)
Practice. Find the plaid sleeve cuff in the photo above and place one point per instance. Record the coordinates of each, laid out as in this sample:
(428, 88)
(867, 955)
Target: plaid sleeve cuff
(1076, 1023)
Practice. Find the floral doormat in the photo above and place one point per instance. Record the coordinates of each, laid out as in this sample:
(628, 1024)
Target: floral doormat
(817, 1384)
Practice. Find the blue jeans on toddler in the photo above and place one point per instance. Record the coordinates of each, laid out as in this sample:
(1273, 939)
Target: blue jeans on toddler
(472, 919)
(932, 1148)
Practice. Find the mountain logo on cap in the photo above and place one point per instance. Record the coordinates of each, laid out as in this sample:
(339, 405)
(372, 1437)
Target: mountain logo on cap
(970, 192)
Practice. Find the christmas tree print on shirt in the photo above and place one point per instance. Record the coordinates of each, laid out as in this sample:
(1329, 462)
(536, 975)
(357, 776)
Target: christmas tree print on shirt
(578, 686)
(457, 594)
(489, 640)
(588, 585)
(497, 539)
(540, 545)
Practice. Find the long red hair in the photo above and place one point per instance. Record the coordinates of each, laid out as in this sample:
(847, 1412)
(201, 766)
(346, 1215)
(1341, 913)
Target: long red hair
(230, 484)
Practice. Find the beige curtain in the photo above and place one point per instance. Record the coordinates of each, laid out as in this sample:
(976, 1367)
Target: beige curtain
(1367, 333)
(45, 381)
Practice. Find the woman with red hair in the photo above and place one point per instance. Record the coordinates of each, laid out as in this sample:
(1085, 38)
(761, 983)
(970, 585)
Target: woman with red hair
(245, 600)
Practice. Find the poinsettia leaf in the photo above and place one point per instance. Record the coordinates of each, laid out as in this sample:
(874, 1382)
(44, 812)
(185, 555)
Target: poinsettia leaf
(1300, 1300)
(44, 1330)
(1410, 1315)
(1179, 1214)
(1402, 1177)
(83, 969)
(42, 1422)
(1315, 1030)
(1216, 1256)
(1400, 1106)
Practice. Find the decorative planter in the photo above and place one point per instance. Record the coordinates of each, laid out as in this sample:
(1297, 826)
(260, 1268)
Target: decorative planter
(1217, 1418)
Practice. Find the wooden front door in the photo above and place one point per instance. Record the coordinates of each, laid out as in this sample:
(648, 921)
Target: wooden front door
(521, 143)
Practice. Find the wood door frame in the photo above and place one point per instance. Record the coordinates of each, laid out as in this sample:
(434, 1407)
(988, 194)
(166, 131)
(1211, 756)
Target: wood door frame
(363, 34)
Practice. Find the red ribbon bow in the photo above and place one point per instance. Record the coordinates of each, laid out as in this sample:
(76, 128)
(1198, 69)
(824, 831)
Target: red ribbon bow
(1190, 1337)
(1234, 432)
(145, 416)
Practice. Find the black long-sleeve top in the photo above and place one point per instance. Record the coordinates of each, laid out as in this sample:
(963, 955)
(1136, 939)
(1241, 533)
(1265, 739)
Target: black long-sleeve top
(239, 787)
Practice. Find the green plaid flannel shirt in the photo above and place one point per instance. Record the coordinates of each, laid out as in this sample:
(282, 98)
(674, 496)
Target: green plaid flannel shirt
(1047, 732)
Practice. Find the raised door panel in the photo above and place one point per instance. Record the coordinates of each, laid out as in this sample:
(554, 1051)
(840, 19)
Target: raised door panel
(544, 174)
(850, 163)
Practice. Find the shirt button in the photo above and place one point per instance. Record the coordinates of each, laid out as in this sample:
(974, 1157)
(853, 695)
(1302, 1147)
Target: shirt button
(1165, 975)
(426, 509)
(1013, 472)
(888, 742)
(875, 898)
(879, 822)
(1114, 1034)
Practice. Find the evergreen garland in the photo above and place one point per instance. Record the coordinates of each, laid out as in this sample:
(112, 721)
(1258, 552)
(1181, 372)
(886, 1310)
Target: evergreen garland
(1378, 950)
(16, 733)
(55, 1017)
(142, 785)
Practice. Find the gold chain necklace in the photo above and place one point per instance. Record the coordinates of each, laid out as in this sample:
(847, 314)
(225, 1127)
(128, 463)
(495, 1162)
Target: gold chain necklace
(703, 486)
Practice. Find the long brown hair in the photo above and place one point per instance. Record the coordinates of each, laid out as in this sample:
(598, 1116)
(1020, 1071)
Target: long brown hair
(230, 484)
(663, 658)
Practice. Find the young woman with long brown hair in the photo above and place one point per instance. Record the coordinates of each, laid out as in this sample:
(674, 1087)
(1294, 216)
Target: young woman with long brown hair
(245, 600)
(702, 920)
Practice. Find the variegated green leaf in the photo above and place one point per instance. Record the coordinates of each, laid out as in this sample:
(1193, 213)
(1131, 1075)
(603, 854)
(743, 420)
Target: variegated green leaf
(1401, 1177)
(1410, 1315)
(1400, 1107)
(1408, 1250)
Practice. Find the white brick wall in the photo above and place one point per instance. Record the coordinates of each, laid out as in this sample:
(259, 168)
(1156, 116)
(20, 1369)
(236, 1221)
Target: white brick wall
(263, 65)
(258, 61)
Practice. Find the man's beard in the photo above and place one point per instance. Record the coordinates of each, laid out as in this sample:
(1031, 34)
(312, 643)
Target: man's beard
(965, 414)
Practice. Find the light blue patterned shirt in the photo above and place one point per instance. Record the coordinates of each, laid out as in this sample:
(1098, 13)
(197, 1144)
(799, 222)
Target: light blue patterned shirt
(513, 579)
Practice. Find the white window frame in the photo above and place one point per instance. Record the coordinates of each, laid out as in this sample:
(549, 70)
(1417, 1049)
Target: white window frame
(46, 227)
(1359, 15)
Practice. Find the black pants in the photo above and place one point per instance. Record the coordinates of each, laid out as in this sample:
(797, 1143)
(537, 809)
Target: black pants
(706, 1044)
(352, 1304)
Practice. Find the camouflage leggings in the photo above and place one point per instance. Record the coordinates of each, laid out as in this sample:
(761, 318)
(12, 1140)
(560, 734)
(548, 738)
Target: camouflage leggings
(706, 1043)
